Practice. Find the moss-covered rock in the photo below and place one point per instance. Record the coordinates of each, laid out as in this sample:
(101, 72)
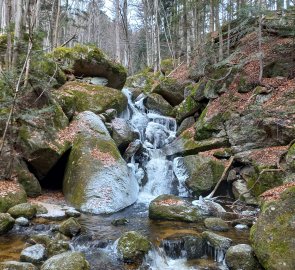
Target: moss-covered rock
(133, 246)
(157, 103)
(90, 61)
(240, 190)
(216, 224)
(66, 261)
(13, 265)
(185, 124)
(38, 137)
(241, 257)
(290, 158)
(70, 227)
(187, 107)
(143, 81)
(56, 247)
(202, 173)
(26, 210)
(79, 97)
(170, 90)
(217, 241)
(170, 207)
(6, 223)
(272, 236)
(11, 195)
(97, 179)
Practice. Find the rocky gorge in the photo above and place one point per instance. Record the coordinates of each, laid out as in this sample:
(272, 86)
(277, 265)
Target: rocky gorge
(156, 172)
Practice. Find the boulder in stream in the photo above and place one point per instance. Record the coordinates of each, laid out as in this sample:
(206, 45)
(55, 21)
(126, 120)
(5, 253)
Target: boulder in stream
(13, 265)
(216, 224)
(70, 227)
(6, 223)
(216, 241)
(133, 246)
(157, 103)
(26, 210)
(33, 254)
(97, 179)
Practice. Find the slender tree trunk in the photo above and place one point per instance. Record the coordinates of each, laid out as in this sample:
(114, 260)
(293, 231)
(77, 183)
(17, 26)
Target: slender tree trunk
(56, 28)
(260, 42)
(8, 55)
(117, 31)
(17, 32)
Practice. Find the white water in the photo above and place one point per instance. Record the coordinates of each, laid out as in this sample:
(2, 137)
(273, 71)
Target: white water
(155, 132)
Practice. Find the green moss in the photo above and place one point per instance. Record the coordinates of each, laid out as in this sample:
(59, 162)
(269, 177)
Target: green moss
(167, 65)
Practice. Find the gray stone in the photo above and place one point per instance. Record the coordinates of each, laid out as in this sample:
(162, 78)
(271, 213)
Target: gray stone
(13, 265)
(216, 241)
(185, 124)
(216, 224)
(70, 227)
(33, 254)
(22, 221)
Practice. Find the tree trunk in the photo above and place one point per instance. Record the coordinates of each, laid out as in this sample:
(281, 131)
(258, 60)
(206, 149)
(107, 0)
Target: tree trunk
(8, 55)
(17, 32)
(117, 30)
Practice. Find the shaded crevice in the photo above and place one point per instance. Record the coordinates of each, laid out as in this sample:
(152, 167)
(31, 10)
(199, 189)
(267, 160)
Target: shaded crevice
(54, 179)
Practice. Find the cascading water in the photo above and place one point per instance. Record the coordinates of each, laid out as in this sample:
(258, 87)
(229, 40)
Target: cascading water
(155, 132)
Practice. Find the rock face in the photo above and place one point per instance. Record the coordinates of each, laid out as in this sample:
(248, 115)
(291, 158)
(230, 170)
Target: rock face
(241, 257)
(170, 207)
(38, 137)
(11, 195)
(133, 246)
(272, 236)
(202, 173)
(67, 261)
(157, 103)
(26, 210)
(97, 179)
(33, 254)
(12, 265)
(89, 61)
(78, 97)
(6, 223)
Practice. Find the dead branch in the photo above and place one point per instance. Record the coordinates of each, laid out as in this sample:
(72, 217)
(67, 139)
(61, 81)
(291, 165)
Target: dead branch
(175, 69)
(222, 177)
(69, 40)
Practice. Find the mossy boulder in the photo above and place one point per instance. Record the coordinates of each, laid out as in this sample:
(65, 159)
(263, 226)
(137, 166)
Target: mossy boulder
(78, 97)
(11, 194)
(241, 257)
(97, 179)
(13, 265)
(202, 173)
(217, 241)
(133, 246)
(90, 61)
(38, 137)
(170, 207)
(56, 247)
(70, 227)
(240, 189)
(66, 261)
(6, 223)
(188, 107)
(170, 90)
(272, 236)
(216, 224)
(290, 158)
(142, 81)
(157, 103)
(26, 210)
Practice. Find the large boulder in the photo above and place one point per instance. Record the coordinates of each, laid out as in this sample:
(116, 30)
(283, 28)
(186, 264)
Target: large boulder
(201, 173)
(66, 261)
(188, 107)
(38, 137)
(170, 90)
(157, 103)
(13, 265)
(133, 246)
(26, 210)
(170, 207)
(89, 61)
(97, 179)
(11, 194)
(241, 257)
(77, 96)
(6, 223)
(272, 236)
(33, 254)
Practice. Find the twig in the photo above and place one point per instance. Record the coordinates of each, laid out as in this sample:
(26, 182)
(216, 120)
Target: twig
(222, 177)
(175, 69)
(69, 40)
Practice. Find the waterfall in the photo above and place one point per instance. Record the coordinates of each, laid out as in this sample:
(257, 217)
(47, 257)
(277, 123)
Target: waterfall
(155, 131)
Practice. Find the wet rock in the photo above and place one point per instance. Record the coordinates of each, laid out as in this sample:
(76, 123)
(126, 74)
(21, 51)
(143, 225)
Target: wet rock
(272, 236)
(216, 241)
(186, 108)
(26, 210)
(119, 222)
(241, 257)
(202, 173)
(97, 179)
(111, 114)
(132, 149)
(216, 224)
(241, 191)
(71, 212)
(6, 223)
(209, 208)
(122, 133)
(133, 246)
(53, 212)
(42, 239)
(157, 103)
(15, 194)
(13, 265)
(185, 124)
(41, 209)
(22, 221)
(33, 254)
(56, 247)
(170, 207)
(75, 97)
(70, 227)
(232, 175)
(67, 261)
